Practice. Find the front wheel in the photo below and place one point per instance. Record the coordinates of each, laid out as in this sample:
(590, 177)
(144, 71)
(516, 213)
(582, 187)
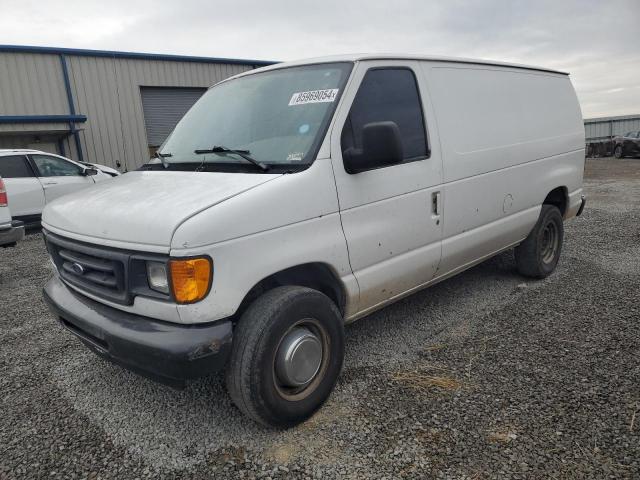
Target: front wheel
(618, 152)
(538, 255)
(287, 354)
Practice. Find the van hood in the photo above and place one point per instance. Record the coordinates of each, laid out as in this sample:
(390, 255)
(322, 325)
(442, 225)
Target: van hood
(144, 208)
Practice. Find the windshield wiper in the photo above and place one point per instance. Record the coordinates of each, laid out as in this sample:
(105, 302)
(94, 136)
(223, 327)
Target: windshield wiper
(161, 157)
(241, 153)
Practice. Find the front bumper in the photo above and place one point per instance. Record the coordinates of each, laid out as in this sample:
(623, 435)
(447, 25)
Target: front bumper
(11, 233)
(165, 352)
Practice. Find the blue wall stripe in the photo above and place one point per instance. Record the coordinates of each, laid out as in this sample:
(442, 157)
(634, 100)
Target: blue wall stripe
(67, 84)
(42, 118)
(72, 108)
(61, 147)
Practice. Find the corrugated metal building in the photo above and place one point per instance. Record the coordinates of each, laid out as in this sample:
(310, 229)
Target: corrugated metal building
(112, 108)
(604, 128)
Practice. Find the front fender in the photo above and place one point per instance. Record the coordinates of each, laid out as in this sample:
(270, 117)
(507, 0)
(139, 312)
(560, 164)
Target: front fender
(240, 263)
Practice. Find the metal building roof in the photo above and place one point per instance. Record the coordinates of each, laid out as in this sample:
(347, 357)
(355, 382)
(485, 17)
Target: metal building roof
(618, 118)
(132, 55)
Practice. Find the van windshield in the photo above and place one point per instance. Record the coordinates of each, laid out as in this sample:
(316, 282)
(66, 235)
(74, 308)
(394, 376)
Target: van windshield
(277, 117)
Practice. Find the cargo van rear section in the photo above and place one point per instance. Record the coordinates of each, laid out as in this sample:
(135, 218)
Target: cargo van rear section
(512, 139)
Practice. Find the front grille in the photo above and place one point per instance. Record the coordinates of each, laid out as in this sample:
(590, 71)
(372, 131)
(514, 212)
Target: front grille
(94, 269)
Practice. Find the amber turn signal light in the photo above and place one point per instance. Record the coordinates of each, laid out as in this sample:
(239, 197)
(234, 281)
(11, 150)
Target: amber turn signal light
(190, 278)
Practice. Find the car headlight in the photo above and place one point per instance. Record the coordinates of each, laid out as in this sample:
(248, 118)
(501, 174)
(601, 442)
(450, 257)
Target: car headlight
(157, 277)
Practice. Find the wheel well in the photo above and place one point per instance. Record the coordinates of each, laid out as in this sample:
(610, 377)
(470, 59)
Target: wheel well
(312, 275)
(559, 198)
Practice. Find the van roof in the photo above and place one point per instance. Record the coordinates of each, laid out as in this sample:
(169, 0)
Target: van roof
(355, 57)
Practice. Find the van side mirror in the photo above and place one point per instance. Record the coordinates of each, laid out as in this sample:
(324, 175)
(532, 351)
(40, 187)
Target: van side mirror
(381, 147)
(88, 172)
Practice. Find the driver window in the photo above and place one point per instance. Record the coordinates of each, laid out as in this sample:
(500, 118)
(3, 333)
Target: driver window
(388, 94)
(55, 167)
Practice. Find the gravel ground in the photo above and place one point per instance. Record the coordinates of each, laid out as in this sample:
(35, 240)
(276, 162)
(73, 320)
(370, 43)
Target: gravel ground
(486, 375)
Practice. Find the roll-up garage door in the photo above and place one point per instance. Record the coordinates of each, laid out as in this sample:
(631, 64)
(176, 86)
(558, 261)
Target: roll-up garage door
(164, 107)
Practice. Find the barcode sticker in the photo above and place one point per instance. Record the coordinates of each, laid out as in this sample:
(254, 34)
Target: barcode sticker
(313, 96)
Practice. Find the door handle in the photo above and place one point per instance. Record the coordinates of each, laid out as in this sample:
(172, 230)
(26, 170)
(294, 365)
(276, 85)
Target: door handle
(436, 204)
(50, 183)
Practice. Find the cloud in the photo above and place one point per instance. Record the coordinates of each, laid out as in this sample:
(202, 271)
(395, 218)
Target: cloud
(597, 42)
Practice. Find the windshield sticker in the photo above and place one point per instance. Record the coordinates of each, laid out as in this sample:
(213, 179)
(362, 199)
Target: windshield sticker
(295, 157)
(313, 96)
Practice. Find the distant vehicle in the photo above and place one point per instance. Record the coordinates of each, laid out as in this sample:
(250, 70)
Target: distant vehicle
(104, 169)
(34, 178)
(11, 231)
(293, 199)
(627, 145)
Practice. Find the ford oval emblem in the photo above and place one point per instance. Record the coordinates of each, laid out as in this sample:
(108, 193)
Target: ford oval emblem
(77, 268)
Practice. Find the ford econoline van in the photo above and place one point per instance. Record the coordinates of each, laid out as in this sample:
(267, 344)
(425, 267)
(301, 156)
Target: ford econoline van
(294, 199)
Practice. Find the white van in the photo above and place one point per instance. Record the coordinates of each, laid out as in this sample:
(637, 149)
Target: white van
(296, 198)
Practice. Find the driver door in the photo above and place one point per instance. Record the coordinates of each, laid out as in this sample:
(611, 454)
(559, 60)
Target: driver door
(391, 216)
(59, 176)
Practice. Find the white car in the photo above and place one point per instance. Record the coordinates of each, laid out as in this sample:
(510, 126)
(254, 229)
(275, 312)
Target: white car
(34, 178)
(293, 199)
(11, 231)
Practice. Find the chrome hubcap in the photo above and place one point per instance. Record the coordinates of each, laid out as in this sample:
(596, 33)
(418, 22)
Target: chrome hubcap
(549, 242)
(299, 357)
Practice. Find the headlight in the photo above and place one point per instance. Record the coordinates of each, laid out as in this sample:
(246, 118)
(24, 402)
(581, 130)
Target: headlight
(191, 278)
(157, 277)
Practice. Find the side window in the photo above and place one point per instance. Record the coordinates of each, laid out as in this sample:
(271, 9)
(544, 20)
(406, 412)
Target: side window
(15, 166)
(55, 167)
(388, 94)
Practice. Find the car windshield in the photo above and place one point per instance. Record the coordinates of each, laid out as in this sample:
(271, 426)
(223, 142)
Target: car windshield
(278, 117)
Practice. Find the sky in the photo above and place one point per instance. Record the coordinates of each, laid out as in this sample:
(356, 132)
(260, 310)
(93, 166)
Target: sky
(598, 42)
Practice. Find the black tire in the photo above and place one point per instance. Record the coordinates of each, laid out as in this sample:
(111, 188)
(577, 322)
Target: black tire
(617, 152)
(251, 376)
(538, 255)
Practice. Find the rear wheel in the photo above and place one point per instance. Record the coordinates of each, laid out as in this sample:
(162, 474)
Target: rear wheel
(618, 151)
(538, 255)
(287, 354)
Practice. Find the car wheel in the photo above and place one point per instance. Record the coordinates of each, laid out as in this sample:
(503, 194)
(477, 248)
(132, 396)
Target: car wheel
(618, 152)
(287, 353)
(538, 255)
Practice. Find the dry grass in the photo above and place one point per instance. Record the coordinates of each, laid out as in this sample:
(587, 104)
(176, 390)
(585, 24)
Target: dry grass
(283, 453)
(235, 454)
(423, 381)
(435, 348)
(501, 436)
